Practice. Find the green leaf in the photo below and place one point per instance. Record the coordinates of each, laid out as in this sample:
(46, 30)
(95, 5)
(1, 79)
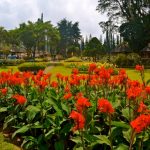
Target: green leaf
(59, 145)
(103, 139)
(56, 106)
(8, 120)
(21, 130)
(31, 112)
(49, 134)
(148, 82)
(125, 113)
(77, 140)
(122, 147)
(3, 109)
(120, 124)
(90, 138)
(65, 107)
(127, 135)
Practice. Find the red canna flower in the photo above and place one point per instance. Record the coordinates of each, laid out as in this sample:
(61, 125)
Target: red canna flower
(142, 108)
(82, 103)
(139, 68)
(147, 89)
(78, 119)
(20, 99)
(67, 96)
(134, 92)
(54, 84)
(75, 71)
(67, 89)
(92, 67)
(105, 106)
(140, 123)
(4, 91)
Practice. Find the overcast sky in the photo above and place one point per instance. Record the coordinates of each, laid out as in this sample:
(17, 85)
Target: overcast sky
(14, 12)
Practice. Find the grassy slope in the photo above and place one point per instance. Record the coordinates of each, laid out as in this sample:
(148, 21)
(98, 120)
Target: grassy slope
(6, 68)
(4, 145)
(135, 75)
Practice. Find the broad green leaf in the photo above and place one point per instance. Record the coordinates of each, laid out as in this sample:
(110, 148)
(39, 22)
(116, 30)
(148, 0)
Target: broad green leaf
(77, 140)
(49, 134)
(21, 130)
(103, 139)
(120, 124)
(59, 145)
(65, 107)
(3, 109)
(122, 147)
(32, 111)
(127, 135)
(125, 113)
(55, 104)
(8, 120)
(90, 138)
(148, 82)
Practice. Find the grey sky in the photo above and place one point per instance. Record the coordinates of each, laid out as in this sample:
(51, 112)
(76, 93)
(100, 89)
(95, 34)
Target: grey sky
(14, 12)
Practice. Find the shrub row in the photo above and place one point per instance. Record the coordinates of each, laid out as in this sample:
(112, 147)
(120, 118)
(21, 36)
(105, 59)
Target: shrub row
(10, 62)
(32, 66)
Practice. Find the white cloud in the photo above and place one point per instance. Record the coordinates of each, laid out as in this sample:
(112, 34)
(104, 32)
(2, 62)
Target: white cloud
(14, 12)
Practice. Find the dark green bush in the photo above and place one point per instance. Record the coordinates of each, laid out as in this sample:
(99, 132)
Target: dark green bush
(32, 66)
(126, 60)
(11, 62)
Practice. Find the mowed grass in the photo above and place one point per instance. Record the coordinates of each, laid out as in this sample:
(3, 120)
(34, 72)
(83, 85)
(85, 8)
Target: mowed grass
(4, 145)
(7, 68)
(59, 69)
(135, 75)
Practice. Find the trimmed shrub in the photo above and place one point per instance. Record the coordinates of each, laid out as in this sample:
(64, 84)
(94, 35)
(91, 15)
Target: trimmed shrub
(11, 62)
(54, 64)
(32, 66)
(73, 59)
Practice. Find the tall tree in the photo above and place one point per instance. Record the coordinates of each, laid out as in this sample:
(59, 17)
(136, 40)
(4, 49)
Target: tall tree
(70, 34)
(135, 15)
(94, 48)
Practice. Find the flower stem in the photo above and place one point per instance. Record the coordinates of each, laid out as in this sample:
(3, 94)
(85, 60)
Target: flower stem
(82, 140)
(132, 139)
(110, 135)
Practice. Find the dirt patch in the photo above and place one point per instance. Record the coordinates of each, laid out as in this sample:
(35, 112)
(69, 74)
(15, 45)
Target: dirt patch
(47, 69)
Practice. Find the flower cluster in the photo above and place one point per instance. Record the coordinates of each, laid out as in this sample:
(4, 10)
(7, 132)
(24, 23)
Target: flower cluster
(140, 123)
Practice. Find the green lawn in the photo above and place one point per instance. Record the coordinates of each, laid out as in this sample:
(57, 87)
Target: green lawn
(135, 75)
(6, 68)
(4, 145)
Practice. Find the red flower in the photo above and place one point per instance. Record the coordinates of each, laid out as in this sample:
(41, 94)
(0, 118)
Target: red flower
(67, 96)
(105, 106)
(142, 108)
(67, 89)
(75, 71)
(54, 84)
(140, 123)
(78, 119)
(92, 67)
(4, 91)
(134, 92)
(139, 68)
(20, 99)
(82, 103)
(147, 89)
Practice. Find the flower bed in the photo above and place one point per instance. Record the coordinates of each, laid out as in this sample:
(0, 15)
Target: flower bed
(98, 110)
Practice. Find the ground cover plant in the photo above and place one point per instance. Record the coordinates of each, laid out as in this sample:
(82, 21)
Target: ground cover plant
(97, 110)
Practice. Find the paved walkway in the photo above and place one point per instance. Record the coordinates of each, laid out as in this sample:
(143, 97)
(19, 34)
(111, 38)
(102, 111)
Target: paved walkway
(47, 69)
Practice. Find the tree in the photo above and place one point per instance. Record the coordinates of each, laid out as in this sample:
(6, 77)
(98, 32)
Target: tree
(135, 16)
(70, 34)
(94, 48)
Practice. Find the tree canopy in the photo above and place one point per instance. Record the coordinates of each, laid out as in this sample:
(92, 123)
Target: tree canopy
(133, 16)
